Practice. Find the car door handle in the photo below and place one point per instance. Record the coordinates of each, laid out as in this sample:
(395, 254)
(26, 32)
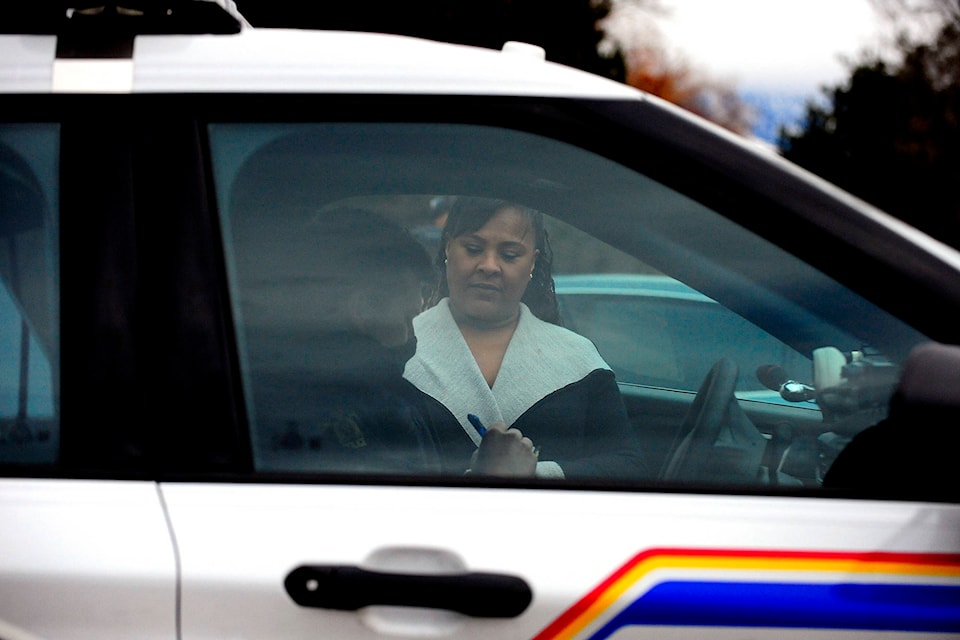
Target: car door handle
(349, 588)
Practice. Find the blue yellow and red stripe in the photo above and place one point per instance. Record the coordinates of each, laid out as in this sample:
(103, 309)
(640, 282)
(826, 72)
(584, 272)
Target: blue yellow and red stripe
(876, 591)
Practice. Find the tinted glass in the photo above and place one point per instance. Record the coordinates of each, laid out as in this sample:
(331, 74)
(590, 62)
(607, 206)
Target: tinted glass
(29, 335)
(329, 232)
(686, 335)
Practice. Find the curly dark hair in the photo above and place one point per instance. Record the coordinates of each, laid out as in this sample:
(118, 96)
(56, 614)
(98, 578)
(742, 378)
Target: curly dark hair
(470, 213)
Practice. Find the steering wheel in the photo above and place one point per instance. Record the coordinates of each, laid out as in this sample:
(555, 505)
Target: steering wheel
(716, 439)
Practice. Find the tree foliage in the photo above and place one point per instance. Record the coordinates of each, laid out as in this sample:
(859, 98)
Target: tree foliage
(891, 134)
(651, 69)
(924, 14)
(632, 30)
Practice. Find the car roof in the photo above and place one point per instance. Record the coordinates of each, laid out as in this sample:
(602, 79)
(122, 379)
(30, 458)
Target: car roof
(304, 61)
(344, 62)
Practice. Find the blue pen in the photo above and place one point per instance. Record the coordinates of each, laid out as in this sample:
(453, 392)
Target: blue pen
(475, 421)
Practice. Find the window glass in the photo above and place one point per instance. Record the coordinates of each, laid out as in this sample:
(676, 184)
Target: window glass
(334, 239)
(29, 337)
(651, 328)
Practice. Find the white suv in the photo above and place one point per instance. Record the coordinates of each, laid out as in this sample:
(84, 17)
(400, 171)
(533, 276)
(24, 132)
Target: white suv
(163, 169)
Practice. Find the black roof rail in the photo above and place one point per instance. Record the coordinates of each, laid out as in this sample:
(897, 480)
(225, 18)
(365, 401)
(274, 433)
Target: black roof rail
(120, 19)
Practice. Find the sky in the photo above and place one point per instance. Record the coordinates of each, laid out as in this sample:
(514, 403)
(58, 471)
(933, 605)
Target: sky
(767, 45)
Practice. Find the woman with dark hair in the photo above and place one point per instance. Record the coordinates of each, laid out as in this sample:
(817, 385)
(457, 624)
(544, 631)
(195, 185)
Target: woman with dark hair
(469, 214)
(490, 348)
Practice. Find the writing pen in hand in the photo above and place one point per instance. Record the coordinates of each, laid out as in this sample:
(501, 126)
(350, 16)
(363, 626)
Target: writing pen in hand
(475, 421)
(482, 430)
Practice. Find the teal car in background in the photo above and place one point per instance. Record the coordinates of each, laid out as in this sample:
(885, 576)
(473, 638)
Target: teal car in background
(654, 330)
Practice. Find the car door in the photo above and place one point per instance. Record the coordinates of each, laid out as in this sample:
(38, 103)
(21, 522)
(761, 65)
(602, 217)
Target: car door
(282, 544)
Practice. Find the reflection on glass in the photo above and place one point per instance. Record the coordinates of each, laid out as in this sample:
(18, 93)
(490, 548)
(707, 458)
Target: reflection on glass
(29, 339)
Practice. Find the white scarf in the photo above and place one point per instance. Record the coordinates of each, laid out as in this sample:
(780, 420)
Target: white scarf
(540, 359)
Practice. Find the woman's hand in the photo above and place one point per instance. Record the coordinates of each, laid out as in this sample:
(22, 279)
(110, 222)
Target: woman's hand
(505, 452)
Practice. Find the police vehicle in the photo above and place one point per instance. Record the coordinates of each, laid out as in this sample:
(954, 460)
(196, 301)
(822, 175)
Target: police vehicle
(162, 168)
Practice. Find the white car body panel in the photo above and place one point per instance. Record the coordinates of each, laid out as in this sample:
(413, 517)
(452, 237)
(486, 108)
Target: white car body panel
(238, 543)
(99, 76)
(287, 60)
(291, 61)
(26, 63)
(86, 560)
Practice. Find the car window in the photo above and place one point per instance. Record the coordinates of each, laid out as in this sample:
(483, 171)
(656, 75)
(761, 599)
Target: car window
(29, 334)
(664, 287)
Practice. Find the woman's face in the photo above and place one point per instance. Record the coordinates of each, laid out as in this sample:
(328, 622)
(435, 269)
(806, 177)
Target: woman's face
(489, 269)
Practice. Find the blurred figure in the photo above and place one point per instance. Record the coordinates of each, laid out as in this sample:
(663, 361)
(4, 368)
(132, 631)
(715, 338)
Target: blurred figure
(353, 314)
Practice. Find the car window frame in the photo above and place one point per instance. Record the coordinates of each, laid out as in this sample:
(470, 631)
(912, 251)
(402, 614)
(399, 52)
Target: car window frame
(400, 119)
